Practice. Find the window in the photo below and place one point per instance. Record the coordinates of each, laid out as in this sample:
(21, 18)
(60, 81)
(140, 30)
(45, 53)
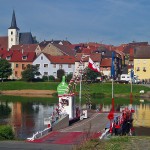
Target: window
(11, 39)
(54, 65)
(24, 57)
(8, 57)
(65, 102)
(11, 33)
(16, 73)
(17, 65)
(60, 66)
(144, 69)
(138, 68)
(41, 57)
(45, 73)
(23, 66)
(69, 65)
(45, 65)
(54, 74)
(38, 65)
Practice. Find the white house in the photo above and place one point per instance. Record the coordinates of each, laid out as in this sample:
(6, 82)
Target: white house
(48, 65)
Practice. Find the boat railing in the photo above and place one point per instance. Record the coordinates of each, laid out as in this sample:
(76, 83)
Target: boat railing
(39, 134)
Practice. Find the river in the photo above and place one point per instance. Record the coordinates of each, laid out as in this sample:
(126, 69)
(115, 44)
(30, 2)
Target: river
(27, 118)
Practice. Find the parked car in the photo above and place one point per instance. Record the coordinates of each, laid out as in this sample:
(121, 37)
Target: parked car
(98, 79)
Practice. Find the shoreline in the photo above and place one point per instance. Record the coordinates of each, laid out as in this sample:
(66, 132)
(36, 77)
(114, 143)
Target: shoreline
(49, 93)
(29, 93)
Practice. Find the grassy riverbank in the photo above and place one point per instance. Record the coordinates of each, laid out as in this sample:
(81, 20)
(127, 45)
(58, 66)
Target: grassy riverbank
(94, 88)
(118, 143)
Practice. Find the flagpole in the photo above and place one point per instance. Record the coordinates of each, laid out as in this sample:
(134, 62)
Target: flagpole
(112, 94)
(112, 75)
(80, 90)
(132, 76)
(81, 71)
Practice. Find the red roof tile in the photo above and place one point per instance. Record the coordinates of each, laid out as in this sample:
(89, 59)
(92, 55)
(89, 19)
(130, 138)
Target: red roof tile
(25, 47)
(16, 56)
(4, 43)
(61, 59)
(106, 62)
(96, 57)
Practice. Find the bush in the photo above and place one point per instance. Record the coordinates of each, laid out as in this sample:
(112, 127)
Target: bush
(45, 78)
(48, 78)
(51, 78)
(6, 133)
(69, 77)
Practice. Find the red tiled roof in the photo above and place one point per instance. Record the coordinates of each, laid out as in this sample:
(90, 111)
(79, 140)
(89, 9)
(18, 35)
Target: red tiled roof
(106, 62)
(16, 56)
(87, 50)
(61, 59)
(96, 57)
(4, 43)
(25, 47)
(142, 52)
(65, 49)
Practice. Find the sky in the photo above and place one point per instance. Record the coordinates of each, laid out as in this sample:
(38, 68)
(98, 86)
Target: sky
(104, 21)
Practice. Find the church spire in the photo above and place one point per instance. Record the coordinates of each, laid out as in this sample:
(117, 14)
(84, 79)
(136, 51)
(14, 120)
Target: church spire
(13, 22)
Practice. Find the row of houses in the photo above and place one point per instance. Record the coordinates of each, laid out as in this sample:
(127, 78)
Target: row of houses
(50, 56)
(21, 49)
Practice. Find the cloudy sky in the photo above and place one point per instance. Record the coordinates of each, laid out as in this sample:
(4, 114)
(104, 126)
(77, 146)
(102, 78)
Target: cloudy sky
(104, 21)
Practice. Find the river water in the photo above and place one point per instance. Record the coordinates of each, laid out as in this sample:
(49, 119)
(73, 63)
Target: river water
(27, 118)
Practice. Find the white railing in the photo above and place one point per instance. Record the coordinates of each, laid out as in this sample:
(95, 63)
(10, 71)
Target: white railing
(39, 134)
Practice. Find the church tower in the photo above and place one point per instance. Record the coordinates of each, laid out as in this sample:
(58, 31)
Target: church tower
(13, 32)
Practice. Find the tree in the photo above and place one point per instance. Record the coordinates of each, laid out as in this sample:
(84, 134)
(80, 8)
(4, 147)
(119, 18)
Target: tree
(5, 69)
(60, 73)
(69, 77)
(91, 75)
(30, 72)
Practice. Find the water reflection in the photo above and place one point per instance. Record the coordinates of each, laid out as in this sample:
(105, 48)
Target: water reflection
(142, 115)
(27, 118)
(5, 110)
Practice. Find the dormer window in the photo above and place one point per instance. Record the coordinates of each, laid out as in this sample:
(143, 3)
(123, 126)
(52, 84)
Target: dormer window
(24, 57)
(103, 53)
(60, 43)
(8, 57)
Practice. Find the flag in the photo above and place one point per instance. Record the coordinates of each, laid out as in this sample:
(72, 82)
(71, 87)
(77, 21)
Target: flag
(132, 74)
(112, 66)
(92, 65)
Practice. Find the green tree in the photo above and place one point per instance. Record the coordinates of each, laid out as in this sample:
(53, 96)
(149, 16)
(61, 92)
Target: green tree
(60, 73)
(69, 77)
(30, 72)
(91, 75)
(5, 69)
